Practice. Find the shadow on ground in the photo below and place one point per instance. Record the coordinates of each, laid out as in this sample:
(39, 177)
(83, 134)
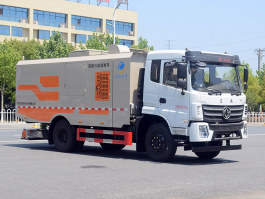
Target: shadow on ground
(97, 151)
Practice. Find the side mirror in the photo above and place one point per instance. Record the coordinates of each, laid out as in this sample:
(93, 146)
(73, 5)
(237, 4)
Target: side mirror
(246, 74)
(182, 70)
(245, 87)
(182, 83)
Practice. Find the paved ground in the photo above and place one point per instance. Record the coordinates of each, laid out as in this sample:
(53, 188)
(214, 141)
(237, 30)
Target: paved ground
(33, 169)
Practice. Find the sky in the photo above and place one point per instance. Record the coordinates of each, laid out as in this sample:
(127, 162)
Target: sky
(233, 26)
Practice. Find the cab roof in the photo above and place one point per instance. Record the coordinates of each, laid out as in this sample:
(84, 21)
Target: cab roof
(166, 54)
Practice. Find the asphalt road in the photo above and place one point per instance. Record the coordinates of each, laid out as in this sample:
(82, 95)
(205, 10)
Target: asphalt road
(33, 169)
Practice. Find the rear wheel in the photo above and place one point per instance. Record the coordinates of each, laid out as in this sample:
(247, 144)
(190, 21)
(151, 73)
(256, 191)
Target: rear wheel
(64, 137)
(159, 143)
(113, 147)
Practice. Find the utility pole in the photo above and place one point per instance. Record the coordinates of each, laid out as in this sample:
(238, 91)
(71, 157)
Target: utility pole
(114, 22)
(113, 16)
(169, 44)
(259, 52)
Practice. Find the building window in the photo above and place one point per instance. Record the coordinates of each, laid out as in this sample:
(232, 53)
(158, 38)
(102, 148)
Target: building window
(44, 34)
(4, 30)
(17, 31)
(80, 38)
(89, 37)
(121, 28)
(86, 23)
(9, 13)
(49, 18)
(128, 43)
(53, 32)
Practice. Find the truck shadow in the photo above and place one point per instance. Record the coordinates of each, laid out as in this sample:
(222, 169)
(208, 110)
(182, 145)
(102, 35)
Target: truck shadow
(125, 154)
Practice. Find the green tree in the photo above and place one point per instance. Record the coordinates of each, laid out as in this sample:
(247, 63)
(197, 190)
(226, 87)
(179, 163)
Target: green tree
(8, 60)
(254, 89)
(100, 41)
(55, 47)
(28, 49)
(143, 44)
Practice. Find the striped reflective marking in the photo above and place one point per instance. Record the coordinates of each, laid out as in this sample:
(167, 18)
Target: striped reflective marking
(127, 136)
(75, 108)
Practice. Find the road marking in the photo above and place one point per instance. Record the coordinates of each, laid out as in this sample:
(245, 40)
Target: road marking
(255, 134)
(18, 141)
(6, 129)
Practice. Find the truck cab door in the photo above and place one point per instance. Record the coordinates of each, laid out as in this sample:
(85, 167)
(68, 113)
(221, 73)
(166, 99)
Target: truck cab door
(172, 104)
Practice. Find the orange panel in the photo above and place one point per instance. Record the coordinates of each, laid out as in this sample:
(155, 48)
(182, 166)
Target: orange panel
(127, 138)
(102, 86)
(78, 138)
(42, 114)
(95, 112)
(24, 133)
(49, 81)
(41, 95)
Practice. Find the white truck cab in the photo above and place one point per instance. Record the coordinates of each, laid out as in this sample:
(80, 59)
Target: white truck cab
(200, 97)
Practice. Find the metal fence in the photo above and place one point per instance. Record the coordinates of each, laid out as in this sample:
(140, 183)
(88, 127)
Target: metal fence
(9, 116)
(256, 117)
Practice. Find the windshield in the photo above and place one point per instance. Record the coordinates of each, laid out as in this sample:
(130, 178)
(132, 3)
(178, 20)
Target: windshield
(215, 78)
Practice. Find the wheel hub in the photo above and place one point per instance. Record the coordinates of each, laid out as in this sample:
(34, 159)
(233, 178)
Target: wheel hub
(158, 143)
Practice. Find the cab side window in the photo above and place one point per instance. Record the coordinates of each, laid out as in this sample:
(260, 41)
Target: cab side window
(170, 75)
(155, 70)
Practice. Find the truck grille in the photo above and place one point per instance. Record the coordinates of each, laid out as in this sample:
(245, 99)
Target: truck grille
(212, 113)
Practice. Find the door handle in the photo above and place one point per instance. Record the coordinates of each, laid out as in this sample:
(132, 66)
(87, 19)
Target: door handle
(162, 100)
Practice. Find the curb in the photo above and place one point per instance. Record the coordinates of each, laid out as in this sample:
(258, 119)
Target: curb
(256, 124)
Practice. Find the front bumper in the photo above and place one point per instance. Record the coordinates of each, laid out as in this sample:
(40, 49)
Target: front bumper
(217, 132)
(216, 148)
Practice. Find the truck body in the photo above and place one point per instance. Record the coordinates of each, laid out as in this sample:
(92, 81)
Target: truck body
(159, 100)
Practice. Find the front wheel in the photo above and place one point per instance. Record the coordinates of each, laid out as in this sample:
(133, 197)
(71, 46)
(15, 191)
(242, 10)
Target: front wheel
(159, 143)
(207, 155)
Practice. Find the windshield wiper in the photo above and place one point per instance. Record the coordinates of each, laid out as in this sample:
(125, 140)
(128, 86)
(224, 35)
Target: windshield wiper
(213, 91)
(234, 92)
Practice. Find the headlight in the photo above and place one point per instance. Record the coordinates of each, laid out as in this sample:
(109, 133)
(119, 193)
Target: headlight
(204, 133)
(245, 129)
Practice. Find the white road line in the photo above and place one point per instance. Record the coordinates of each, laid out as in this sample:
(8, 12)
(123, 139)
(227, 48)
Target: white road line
(20, 141)
(255, 134)
(9, 129)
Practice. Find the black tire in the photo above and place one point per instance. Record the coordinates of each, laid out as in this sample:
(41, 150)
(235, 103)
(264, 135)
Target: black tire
(207, 155)
(212, 154)
(64, 137)
(112, 147)
(79, 146)
(159, 143)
